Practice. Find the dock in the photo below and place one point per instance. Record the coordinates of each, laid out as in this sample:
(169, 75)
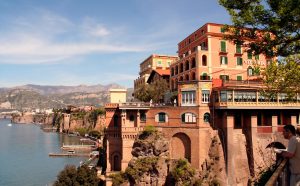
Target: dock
(77, 147)
(67, 154)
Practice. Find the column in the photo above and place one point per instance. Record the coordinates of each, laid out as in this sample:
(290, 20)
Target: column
(294, 121)
(253, 166)
(230, 168)
(138, 120)
(274, 123)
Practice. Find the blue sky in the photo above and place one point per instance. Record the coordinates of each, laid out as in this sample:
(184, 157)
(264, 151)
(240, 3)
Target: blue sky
(73, 42)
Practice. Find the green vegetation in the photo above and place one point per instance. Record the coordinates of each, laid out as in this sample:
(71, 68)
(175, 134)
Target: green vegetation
(76, 176)
(78, 115)
(154, 91)
(134, 171)
(264, 176)
(95, 134)
(273, 26)
(148, 130)
(183, 173)
(283, 77)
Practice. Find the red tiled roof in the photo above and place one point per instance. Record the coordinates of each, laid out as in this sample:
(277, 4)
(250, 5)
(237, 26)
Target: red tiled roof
(162, 72)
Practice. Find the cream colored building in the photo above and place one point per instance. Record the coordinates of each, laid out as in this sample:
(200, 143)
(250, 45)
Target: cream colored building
(153, 62)
(118, 95)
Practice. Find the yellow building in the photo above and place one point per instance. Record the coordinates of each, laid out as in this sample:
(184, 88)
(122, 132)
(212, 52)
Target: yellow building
(153, 62)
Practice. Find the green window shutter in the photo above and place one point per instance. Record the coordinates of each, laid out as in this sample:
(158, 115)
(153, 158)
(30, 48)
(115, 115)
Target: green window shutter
(239, 61)
(257, 57)
(223, 46)
(226, 60)
(222, 30)
(239, 78)
(249, 54)
(238, 49)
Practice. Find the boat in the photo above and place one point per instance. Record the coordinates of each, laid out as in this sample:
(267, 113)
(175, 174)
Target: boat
(9, 124)
(71, 152)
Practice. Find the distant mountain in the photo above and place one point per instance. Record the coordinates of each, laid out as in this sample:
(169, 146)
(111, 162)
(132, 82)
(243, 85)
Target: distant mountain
(39, 96)
(46, 90)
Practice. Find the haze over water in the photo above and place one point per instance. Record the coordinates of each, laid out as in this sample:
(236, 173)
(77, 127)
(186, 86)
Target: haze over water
(24, 156)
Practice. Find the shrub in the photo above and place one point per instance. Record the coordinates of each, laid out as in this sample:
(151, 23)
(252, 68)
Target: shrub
(148, 130)
(81, 131)
(140, 166)
(71, 175)
(95, 133)
(118, 178)
(183, 172)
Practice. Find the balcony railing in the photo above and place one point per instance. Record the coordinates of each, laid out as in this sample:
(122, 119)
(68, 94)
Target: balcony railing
(280, 177)
(257, 104)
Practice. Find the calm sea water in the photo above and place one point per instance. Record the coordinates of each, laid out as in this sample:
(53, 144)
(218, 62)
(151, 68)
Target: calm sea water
(24, 159)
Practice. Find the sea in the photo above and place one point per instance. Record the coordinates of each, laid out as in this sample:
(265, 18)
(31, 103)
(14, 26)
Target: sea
(24, 154)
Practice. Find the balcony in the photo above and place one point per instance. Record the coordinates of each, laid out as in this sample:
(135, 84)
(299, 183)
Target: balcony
(260, 105)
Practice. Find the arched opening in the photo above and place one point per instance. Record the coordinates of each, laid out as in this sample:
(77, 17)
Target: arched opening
(204, 60)
(143, 116)
(172, 71)
(206, 117)
(116, 162)
(181, 67)
(131, 118)
(176, 70)
(193, 76)
(187, 78)
(181, 78)
(187, 65)
(180, 147)
(193, 63)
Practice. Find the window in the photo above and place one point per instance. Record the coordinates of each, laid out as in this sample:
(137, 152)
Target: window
(250, 71)
(224, 77)
(239, 61)
(143, 116)
(172, 72)
(187, 65)
(161, 117)
(169, 63)
(257, 57)
(116, 120)
(239, 78)
(158, 63)
(193, 63)
(188, 118)
(223, 60)
(188, 98)
(206, 117)
(238, 49)
(222, 29)
(205, 96)
(249, 55)
(204, 61)
(223, 46)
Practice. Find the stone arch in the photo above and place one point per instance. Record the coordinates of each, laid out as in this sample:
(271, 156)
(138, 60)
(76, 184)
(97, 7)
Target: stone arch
(116, 161)
(180, 146)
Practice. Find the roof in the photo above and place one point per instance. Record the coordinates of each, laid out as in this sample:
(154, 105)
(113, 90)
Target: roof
(160, 72)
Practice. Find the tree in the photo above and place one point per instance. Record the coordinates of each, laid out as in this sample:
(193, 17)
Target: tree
(154, 91)
(76, 176)
(272, 27)
(282, 77)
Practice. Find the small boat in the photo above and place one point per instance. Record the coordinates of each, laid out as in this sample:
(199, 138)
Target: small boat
(71, 152)
(9, 124)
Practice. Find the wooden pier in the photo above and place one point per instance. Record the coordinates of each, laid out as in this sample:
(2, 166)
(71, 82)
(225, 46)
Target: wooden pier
(77, 147)
(67, 154)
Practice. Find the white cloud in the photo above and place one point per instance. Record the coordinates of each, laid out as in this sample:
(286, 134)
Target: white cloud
(51, 38)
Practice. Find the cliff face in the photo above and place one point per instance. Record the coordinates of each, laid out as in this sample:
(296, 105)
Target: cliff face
(29, 118)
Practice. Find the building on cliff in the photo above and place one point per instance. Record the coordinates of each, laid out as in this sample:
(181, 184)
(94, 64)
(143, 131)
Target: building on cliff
(217, 92)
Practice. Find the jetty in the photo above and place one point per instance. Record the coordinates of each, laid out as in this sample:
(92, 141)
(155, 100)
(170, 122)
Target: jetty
(67, 154)
(78, 147)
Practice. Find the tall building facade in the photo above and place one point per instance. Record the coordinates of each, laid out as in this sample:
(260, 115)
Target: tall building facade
(218, 92)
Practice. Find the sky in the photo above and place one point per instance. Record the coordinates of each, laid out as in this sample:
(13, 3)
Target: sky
(76, 42)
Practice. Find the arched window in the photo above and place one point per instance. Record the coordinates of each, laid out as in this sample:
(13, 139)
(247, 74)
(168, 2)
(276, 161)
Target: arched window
(206, 117)
(181, 78)
(188, 117)
(204, 60)
(250, 71)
